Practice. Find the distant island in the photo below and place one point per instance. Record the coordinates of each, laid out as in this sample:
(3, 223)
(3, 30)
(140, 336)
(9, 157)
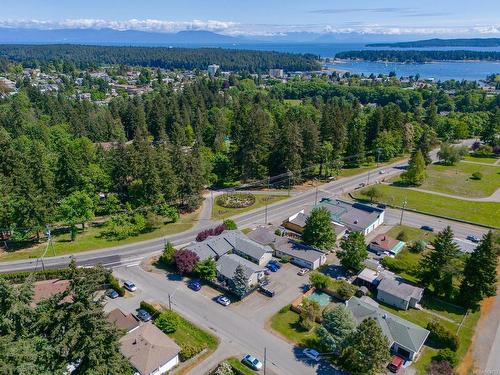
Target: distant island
(418, 56)
(86, 56)
(436, 42)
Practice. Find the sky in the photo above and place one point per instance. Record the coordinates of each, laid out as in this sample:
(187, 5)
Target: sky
(261, 17)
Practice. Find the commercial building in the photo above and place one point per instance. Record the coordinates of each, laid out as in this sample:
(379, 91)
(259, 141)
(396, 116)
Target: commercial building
(212, 69)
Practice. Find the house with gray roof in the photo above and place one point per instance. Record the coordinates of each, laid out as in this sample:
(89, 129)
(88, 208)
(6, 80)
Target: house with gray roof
(398, 293)
(227, 264)
(253, 251)
(300, 254)
(405, 338)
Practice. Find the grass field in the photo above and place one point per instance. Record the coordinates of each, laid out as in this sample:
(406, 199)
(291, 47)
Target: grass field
(87, 240)
(285, 323)
(238, 366)
(487, 213)
(456, 180)
(221, 213)
(481, 160)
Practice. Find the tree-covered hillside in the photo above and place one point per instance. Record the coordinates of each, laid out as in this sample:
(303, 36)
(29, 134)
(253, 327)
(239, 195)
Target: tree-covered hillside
(418, 56)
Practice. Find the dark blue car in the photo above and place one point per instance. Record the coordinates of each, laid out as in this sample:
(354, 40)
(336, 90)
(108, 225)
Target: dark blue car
(271, 267)
(194, 285)
(275, 263)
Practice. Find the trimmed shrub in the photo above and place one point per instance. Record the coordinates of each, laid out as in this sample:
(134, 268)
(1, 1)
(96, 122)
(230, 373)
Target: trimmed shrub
(346, 290)
(230, 224)
(320, 281)
(441, 337)
(203, 235)
(417, 246)
(477, 176)
(402, 236)
(446, 355)
(114, 284)
(285, 259)
(189, 351)
(149, 308)
(167, 321)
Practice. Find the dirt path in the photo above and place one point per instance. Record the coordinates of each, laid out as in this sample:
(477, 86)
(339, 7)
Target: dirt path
(495, 197)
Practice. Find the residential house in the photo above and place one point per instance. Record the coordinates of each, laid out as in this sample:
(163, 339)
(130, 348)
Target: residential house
(405, 338)
(122, 321)
(149, 350)
(227, 264)
(253, 251)
(382, 243)
(398, 293)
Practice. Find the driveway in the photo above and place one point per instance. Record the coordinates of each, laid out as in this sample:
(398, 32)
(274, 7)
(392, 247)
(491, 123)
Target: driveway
(240, 326)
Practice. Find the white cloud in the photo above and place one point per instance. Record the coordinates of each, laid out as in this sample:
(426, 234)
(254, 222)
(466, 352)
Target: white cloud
(238, 29)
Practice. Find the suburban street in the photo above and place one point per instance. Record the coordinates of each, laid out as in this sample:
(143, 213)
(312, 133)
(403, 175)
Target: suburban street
(276, 213)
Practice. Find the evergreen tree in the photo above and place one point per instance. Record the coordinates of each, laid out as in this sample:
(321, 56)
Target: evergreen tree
(424, 145)
(355, 148)
(415, 175)
(337, 326)
(437, 267)
(368, 349)
(206, 269)
(480, 273)
(353, 251)
(318, 230)
(239, 283)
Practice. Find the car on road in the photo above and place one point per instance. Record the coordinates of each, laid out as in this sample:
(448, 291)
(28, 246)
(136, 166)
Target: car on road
(275, 263)
(382, 171)
(311, 353)
(223, 300)
(427, 228)
(144, 315)
(396, 363)
(111, 293)
(472, 238)
(194, 285)
(252, 362)
(302, 271)
(129, 285)
(271, 267)
(361, 185)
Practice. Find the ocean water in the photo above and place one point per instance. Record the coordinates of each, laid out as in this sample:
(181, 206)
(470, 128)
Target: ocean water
(445, 70)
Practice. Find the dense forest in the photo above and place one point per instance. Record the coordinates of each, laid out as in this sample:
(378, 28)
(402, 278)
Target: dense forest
(418, 56)
(66, 161)
(158, 57)
(437, 42)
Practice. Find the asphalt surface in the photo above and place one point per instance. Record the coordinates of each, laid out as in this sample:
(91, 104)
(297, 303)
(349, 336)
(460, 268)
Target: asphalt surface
(276, 213)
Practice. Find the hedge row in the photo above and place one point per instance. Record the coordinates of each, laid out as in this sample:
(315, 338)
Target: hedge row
(115, 284)
(48, 274)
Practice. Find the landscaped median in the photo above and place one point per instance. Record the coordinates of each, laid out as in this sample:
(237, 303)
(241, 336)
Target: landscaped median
(228, 205)
(486, 213)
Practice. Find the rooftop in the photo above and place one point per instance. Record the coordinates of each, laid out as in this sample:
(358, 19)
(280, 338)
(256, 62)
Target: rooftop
(125, 322)
(351, 214)
(396, 329)
(263, 235)
(399, 288)
(385, 242)
(228, 263)
(298, 250)
(147, 348)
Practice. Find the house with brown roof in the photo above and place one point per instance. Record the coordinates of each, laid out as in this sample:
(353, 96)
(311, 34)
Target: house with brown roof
(122, 321)
(383, 243)
(149, 350)
(45, 289)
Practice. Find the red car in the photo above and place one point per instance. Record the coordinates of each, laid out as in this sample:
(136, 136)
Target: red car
(395, 364)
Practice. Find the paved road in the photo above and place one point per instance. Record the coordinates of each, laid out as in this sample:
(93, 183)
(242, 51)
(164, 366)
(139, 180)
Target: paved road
(276, 213)
(241, 327)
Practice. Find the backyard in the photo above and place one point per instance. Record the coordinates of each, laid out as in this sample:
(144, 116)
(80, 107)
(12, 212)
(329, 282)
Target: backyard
(487, 213)
(90, 240)
(285, 323)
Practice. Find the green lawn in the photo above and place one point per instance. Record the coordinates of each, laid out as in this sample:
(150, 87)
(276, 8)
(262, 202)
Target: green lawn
(285, 323)
(481, 160)
(238, 366)
(413, 234)
(189, 336)
(487, 213)
(456, 180)
(221, 213)
(88, 240)
(424, 360)
(293, 102)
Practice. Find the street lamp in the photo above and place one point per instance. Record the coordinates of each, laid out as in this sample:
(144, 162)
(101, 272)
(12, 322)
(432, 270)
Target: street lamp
(403, 207)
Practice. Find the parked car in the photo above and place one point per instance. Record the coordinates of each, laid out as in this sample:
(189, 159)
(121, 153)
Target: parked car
(311, 353)
(341, 278)
(252, 362)
(472, 238)
(427, 228)
(396, 363)
(382, 206)
(111, 293)
(143, 315)
(275, 263)
(194, 285)
(361, 185)
(302, 271)
(266, 291)
(129, 285)
(382, 171)
(223, 300)
(271, 267)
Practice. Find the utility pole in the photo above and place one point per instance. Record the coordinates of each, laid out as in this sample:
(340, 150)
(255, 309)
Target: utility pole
(213, 203)
(316, 197)
(169, 302)
(402, 211)
(265, 220)
(265, 359)
(289, 181)
(368, 180)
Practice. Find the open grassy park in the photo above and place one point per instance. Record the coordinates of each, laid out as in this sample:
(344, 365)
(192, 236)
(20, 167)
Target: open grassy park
(477, 159)
(90, 240)
(487, 213)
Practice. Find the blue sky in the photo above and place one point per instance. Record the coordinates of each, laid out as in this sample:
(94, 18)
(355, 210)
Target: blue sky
(261, 17)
